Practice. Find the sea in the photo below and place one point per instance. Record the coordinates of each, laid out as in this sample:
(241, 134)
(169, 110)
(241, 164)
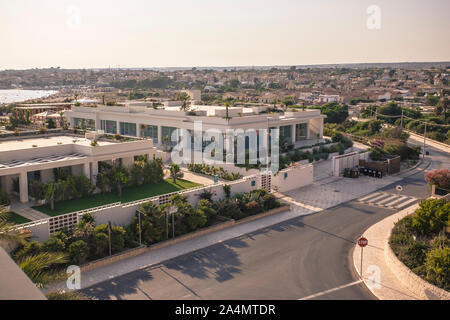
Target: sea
(16, 95)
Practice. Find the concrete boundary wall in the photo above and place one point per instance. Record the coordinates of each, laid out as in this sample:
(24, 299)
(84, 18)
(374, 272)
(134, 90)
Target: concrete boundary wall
(293, 178)
(208, 230)
(342, 162)
(122, 213)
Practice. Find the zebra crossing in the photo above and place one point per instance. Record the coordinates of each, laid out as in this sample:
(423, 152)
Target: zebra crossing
(387, 200)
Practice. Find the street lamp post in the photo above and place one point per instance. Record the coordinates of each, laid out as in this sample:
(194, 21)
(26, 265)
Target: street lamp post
(109, 237)
(140, 229)
(424, 141)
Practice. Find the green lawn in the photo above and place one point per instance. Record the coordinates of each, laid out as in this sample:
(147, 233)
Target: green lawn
(16, 218)
(128, 195)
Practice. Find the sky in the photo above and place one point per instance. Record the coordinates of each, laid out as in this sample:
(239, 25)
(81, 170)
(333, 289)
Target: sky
(188, 33)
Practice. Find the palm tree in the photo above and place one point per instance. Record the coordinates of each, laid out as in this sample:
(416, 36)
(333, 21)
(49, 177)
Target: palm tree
(8, 233)
(38, 266)
(185, 104)
(51, 194)
(175, 172)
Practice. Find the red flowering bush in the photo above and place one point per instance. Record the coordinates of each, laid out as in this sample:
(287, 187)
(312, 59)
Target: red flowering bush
(440, 178)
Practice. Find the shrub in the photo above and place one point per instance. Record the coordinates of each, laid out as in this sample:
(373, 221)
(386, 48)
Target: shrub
(440, 178)
(53, 244)
(99, 246)
(206, 195)
(431, 216)
(206, 208)
(252, 207)
(228, 208)
(270, 201)
(337, 137)
(437, 265)
(227, 191)
(79, 252)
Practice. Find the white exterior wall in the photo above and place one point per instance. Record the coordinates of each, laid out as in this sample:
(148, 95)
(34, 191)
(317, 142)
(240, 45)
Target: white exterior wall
(293, 178)
(340, 163)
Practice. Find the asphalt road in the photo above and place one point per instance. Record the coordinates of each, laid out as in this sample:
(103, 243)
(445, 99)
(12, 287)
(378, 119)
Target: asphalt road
(294, 259)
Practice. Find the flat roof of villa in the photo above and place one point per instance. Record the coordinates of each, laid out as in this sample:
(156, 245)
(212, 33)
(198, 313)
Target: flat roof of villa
(41, 160)
(27, 143)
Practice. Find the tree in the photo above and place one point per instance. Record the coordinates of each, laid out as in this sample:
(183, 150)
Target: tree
(51, 194)
(184, 98)
(7, 231)
(175, 172)
(153, 223)
(335, 112)
(39, 267)
(50, 123)
(119, 178)
(431, 100)
(79, 252)
(442, 108)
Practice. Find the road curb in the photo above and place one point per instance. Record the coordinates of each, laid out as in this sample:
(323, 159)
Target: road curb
(396, 281)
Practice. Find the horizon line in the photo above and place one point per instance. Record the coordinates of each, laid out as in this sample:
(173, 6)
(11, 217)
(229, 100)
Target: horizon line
(120, 67)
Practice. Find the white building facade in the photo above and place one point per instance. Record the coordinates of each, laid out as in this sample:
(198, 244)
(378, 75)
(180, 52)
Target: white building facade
(299, 127)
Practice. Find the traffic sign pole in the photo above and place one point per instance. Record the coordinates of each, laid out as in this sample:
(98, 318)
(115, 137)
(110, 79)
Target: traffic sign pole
(361, 272)
(362, 242)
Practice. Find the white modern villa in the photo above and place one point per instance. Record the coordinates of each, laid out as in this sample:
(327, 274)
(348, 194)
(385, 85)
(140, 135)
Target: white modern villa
(33, 158)
(142, 120)
(24, 159)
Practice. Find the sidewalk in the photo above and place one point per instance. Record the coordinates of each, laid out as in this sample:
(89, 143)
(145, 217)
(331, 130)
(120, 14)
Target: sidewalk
(419, 139)
(385, 276)
(389, 286)
(25, 210)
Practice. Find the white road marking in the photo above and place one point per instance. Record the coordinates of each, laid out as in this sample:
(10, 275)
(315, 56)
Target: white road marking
(390, 198)
(396, 201)
(377, 198)
(331, 290)
(405, 203)
(370, 196)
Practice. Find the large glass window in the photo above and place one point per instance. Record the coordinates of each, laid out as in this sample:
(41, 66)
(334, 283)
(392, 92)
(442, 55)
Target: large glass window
(285, 133)
(109, 126)
(167, 135)
(128, 129)
(301, 131)
(87, 124)
(151, 132)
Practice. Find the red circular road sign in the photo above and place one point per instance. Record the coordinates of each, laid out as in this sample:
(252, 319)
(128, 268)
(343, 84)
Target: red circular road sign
(362, 242)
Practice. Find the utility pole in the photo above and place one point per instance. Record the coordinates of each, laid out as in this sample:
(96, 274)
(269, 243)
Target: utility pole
(109, 237)
(167, 225)
(140, 232)
(401, 121)
(424, 141)
(173, 226)
(267, 151)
